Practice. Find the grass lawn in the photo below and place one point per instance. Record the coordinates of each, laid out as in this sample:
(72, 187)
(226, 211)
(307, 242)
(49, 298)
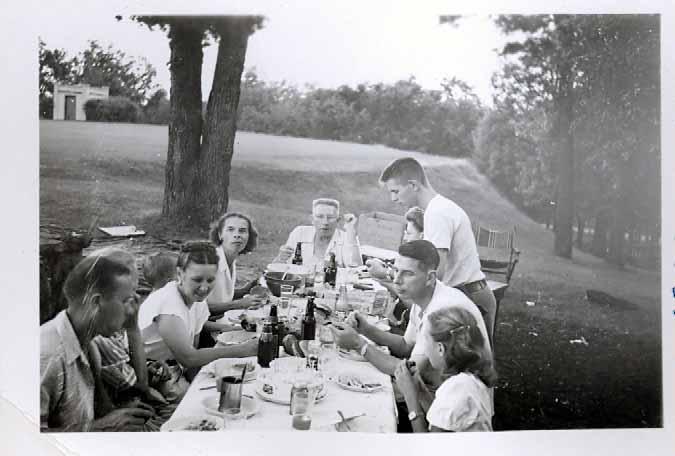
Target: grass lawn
(116, 172)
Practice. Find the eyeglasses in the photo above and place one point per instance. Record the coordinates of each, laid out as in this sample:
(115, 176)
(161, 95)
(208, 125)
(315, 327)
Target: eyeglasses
(328, 218)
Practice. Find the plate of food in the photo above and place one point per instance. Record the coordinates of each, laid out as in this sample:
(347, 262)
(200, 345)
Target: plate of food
(234, 367)
(249, 405)
(193, 423)
(280, 392)
(235, 337)
(354, 382)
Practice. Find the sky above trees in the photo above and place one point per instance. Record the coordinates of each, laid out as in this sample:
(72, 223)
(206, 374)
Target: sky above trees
(326, 46)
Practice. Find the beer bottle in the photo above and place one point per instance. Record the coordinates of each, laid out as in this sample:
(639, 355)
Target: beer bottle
(331, 271)
(274, 322)
(297, 258)
(266, 346)
(308, 321)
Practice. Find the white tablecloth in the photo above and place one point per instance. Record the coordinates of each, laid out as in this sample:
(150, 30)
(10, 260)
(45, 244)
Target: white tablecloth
(379, 407)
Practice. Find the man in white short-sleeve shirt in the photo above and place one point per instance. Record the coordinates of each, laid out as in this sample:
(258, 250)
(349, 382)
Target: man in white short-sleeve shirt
(328, 233)
(414, 280)
(448, 227)
(443, 296)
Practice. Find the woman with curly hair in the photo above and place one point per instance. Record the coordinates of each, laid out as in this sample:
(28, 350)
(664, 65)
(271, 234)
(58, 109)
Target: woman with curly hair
(233, 235)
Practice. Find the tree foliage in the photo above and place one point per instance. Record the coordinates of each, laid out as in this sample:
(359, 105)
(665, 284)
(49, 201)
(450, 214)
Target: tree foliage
(402, 115)
(609, 65)
(112, 109)
(125, 76)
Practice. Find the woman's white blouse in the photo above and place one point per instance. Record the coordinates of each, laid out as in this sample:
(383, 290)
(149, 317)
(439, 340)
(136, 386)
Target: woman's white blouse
(462, 403)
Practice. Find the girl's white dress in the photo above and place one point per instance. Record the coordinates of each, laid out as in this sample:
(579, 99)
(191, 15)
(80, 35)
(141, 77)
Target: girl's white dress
(462, 404)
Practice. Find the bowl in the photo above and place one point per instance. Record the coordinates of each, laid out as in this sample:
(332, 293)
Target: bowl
(274, 282)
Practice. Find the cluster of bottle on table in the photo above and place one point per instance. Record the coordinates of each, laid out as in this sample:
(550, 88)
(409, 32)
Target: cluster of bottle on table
(275, 330)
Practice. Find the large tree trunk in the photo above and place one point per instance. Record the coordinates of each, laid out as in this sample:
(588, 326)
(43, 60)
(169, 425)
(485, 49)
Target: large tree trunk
(581, 225)
(600, 235)
(220, 124)
(622, 212)
(185, 122)
(563, 131)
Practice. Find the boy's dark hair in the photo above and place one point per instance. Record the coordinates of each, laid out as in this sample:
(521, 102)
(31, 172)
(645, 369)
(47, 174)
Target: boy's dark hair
(404, 170)
(416, 216)
(422, 251)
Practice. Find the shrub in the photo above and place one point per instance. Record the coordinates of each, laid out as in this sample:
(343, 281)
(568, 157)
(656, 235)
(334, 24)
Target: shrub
(113, 109)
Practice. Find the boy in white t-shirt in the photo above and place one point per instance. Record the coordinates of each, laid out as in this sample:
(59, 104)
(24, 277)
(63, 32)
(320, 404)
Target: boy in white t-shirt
(448, 227)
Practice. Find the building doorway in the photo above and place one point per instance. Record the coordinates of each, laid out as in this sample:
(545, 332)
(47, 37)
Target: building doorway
(70, 107)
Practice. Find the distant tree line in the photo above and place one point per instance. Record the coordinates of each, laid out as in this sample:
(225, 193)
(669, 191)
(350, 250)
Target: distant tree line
(402, 115)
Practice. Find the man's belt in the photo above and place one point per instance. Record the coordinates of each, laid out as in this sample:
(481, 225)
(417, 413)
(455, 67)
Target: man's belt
(473, 287)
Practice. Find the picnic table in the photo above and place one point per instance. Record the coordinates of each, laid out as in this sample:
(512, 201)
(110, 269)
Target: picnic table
(378, 407)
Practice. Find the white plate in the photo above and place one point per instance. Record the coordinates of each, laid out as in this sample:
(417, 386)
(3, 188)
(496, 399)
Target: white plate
(235, 337)
(182, 424)
(222, 365)
(343, 382)
(282, 395)
(248, 404)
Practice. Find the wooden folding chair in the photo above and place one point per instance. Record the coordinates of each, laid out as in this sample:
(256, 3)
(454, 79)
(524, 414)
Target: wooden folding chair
(498, 257)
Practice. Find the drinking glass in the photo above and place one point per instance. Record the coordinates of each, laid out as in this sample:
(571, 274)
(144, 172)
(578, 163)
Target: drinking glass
(318, 275)
(286, 291)
(302, 404)
(234, 419)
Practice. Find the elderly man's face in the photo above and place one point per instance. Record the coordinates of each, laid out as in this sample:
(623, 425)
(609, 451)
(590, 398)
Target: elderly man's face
(118, 305)
(410, 280)
(325, 219)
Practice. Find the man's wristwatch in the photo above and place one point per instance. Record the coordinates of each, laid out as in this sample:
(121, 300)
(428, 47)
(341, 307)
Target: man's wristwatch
(413, 416)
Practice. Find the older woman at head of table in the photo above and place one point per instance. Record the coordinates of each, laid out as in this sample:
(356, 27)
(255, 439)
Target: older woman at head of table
(329, 232)
(102, 300)
(172, 317)
(233, 235)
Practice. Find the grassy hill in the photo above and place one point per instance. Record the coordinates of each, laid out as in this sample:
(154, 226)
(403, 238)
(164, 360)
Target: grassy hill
(116, 171)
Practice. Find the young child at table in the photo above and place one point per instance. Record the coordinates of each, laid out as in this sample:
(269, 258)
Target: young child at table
(456, 347)
(122, 380)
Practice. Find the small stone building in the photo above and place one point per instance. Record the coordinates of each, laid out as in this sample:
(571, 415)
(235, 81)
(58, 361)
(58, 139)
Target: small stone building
(69, 100)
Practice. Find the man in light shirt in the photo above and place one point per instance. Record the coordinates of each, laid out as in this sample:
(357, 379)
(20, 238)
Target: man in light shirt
(328, 233)
(415, 281)
(448, 227)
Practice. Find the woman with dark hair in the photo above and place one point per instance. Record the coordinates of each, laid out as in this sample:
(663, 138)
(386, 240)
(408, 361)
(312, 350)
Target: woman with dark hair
(454, 345)
(172, 317)
(233, 234)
